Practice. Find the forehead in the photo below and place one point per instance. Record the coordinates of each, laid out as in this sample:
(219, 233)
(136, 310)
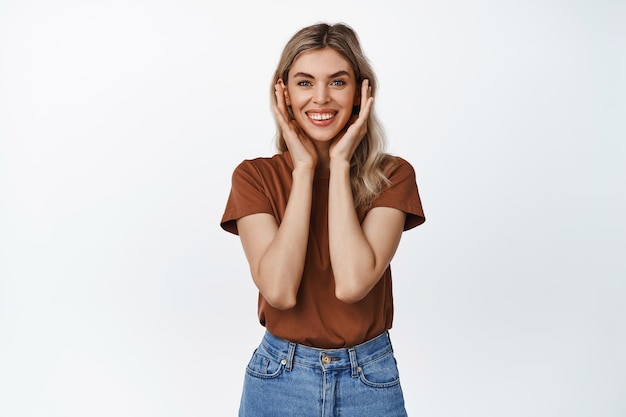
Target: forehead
(321, 62)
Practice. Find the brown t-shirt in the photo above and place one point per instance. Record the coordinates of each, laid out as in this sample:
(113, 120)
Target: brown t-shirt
(319, 319)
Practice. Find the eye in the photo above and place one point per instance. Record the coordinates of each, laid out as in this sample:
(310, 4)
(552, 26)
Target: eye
(304, 83)
(338, 83)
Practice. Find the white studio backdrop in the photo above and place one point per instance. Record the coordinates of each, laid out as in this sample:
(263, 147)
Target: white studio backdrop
(121, 123)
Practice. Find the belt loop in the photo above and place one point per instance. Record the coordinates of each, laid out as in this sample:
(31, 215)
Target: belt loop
(290, 354)
(353, 363)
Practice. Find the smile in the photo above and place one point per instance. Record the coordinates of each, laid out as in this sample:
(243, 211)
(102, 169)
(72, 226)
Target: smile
(321, 116)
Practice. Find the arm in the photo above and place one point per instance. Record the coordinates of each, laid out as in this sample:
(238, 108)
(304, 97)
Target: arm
(276, 253)
(359, 253)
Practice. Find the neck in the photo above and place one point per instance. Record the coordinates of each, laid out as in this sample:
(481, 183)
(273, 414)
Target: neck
(323, 153)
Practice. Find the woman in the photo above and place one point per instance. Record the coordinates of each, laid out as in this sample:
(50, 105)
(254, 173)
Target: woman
(319, 223)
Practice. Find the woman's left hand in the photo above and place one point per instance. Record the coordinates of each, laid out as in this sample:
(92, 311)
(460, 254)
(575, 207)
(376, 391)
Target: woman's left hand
(348, 140)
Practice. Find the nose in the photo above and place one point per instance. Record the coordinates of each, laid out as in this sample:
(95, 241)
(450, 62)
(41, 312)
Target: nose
(320, 94)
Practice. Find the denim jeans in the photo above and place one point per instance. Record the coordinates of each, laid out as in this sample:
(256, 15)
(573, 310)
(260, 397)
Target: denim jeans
(285, 379)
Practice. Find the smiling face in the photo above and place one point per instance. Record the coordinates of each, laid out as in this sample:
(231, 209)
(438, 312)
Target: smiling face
(321, 90)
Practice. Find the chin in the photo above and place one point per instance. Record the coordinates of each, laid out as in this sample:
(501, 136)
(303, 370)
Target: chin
(321, 138)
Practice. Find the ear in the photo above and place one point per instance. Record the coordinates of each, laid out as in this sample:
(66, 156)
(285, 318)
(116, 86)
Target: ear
(285, 93)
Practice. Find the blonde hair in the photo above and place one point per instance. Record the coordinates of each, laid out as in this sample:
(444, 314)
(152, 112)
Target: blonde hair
(368, 164)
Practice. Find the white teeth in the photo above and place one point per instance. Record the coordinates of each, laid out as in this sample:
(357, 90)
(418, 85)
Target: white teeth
(321, 116)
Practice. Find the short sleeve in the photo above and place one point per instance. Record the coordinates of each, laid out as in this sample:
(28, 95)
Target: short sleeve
(247, 196)
(402, 193)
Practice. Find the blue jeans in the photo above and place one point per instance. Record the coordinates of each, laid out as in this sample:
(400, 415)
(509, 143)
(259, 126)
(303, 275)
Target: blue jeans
(285, 379)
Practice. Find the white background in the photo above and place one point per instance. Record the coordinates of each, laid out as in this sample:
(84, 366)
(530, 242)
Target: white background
(121, 122)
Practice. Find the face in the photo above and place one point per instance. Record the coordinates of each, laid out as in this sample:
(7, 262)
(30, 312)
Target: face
(321, 90)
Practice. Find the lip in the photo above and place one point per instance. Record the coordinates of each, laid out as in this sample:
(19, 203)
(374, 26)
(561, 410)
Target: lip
(321, 117)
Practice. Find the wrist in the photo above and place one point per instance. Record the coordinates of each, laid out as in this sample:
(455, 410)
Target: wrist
(304, 173)
(339, 165)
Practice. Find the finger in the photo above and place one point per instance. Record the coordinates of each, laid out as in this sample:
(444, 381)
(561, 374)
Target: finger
(366, 91)
(366, 98)
(279, 108)
(280, 118)
(279, 91)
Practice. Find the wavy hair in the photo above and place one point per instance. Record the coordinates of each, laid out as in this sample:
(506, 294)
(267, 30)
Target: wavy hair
(369, 162)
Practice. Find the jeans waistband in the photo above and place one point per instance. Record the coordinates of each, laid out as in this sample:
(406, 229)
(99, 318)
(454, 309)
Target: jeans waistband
(351, 357)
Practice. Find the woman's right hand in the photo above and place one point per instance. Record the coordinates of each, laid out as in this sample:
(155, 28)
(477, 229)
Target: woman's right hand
(302, 150)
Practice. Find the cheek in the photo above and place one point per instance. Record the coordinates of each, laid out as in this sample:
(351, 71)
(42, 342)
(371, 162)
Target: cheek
(351, 99)
(345, 118)
(296, 100)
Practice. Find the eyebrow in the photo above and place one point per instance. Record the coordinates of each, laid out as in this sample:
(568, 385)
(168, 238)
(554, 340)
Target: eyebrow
(341, 73)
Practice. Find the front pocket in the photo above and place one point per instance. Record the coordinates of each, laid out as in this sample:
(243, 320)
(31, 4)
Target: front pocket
(381, 372)
(264, 365)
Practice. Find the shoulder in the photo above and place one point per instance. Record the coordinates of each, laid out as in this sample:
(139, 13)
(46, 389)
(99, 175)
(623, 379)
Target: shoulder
(256, 184)
(401, 191)
(397, 167)
(264, 165)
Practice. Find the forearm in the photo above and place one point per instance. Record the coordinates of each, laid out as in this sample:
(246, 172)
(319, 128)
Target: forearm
(354, 263)
(281, 266)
